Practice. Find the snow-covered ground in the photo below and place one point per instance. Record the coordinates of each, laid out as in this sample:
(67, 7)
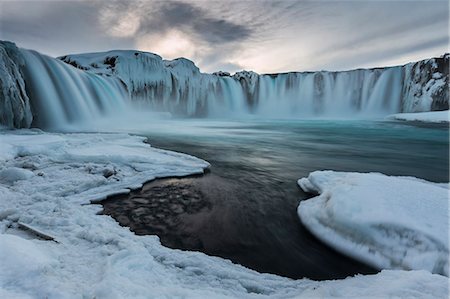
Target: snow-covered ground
(388, 222)
(53, 244)
(432, 117)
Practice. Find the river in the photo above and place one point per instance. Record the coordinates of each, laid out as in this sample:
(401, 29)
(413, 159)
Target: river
(244, 208)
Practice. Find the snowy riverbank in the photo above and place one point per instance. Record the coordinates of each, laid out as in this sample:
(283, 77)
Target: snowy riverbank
(387, 222)
(430, 117)
(46, 183)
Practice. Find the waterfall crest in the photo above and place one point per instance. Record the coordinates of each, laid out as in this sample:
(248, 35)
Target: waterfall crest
(179, 87)
(37, 90)
(53, 94)
(63, 95)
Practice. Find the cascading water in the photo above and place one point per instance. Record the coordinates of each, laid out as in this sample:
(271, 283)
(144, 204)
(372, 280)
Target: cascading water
(77, 88)
(179, 87)
(343, 94)
(62, 95)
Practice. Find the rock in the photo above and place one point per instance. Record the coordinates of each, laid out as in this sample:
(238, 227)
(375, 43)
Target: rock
(15, 110)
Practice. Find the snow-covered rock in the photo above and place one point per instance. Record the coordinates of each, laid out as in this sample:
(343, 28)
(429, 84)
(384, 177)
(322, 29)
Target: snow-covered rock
(222, 74)
(430, 117)
(387, 222)
(175, 86)
(426, 85)
(179, 87)
(249, 81)
(15, 109)
(45, 92)
(87, 255)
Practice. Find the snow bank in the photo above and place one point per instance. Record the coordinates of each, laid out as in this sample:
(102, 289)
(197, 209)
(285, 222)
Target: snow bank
(388, 222)
(432, 117)
(92, 256)
(94, 164)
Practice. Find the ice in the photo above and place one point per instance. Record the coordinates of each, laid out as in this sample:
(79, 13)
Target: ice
(180, 88)
(94, 163)
(431, 117)
(426, 85)
(23, 260)
(12, 174)
(14, 103)
(92, 256)
(387, 284)
(388, 222)
(74, 89)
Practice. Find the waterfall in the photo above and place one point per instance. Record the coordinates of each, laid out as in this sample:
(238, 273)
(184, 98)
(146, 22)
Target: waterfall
(50, 93)
(350, 94)
(63, 95)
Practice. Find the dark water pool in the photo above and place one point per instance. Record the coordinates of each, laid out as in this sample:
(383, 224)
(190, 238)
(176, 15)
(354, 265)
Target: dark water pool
(245, 208)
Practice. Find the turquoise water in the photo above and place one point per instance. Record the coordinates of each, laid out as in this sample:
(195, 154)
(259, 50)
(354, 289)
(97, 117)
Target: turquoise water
(288, 150)
(252, 193)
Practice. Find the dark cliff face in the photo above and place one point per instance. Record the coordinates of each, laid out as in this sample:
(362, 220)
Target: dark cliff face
(249, 81)
(428, 80)
(441, 95)
(15, 109)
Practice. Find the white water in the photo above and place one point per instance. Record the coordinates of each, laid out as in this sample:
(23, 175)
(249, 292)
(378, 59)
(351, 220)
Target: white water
(355, 94)
(64, 96)
(360, 93)
(180, 88)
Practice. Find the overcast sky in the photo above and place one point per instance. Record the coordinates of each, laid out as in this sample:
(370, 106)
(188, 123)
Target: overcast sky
(263, 36)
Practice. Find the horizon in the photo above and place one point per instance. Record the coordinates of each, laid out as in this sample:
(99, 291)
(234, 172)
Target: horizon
(242, 70)
(266, 37)
(319, 169)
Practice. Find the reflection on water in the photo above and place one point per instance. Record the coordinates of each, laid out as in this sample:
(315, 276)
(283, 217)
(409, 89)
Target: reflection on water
(250, 197)
(287, 150)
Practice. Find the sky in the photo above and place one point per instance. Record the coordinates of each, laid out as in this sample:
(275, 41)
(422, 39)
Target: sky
(258, 35)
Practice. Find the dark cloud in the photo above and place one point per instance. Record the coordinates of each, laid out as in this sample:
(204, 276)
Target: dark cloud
(191, 19)
(379, 27)
(265, 36)
(55, 27)
(377, 58)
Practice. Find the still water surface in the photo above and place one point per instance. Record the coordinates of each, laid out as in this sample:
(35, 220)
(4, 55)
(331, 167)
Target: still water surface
(245, 208)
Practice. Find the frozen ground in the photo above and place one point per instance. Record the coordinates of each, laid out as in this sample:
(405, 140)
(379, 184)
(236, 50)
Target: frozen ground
(388, 222)
(54, 245)
(432, 117)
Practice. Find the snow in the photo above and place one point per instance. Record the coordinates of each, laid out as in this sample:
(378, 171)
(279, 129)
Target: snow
(14, 103)
(12, 174)
(104, 83)
(92, 256)
(178, 87)
(431, 117)
(97, 163)
(175, 86)
(426, 85)
(388, 222)
(25, 261)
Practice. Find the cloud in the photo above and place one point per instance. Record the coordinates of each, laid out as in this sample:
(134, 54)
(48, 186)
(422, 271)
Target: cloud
(56, 28)
(264, 36)
(186, 17)
(174, 29)
(153, 17)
